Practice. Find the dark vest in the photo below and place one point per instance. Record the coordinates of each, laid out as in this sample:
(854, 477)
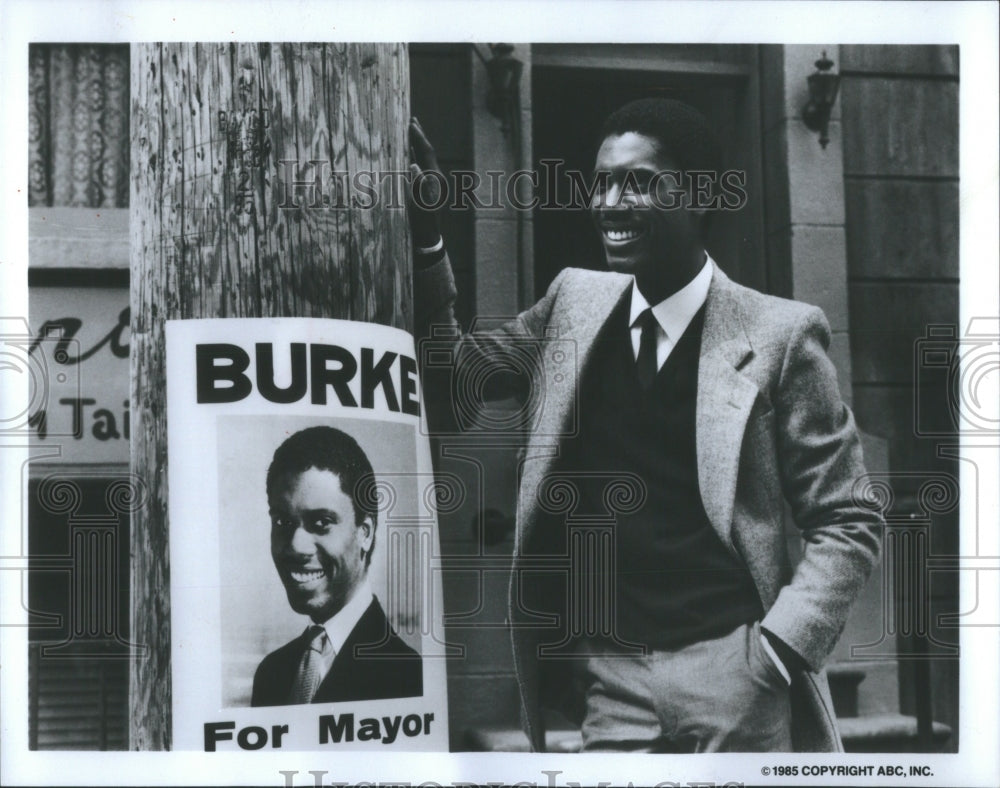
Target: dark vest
(675, 582)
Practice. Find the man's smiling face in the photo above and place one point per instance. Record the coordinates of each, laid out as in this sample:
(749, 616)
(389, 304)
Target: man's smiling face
(642, 232)
(316, 543)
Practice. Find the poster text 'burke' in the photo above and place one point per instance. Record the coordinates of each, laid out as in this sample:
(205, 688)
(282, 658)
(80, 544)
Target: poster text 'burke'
(222, 375)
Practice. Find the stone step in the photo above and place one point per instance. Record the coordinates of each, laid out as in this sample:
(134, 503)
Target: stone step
(488, 739)
(844, 680)
(888, 733)
(869, 734)
(860, 688)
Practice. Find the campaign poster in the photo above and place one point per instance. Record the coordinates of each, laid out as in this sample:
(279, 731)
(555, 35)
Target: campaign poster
(305, 611)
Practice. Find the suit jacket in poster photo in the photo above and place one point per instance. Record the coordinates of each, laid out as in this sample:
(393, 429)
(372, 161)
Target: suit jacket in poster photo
(373, 664)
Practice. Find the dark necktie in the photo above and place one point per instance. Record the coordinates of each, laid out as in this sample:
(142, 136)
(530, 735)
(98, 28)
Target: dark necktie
(645, 362)
(310, 669)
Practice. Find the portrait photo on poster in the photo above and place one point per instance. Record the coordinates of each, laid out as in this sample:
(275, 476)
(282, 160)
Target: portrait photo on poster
(304, 600)
(304, 553)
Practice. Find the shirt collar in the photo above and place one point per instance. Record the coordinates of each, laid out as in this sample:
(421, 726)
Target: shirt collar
(341, 624)
(675, 312)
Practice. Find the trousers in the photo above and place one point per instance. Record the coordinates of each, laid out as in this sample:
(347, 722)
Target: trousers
(718, 695)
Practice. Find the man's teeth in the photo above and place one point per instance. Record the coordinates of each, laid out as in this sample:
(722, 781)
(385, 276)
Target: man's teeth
(305, 577)
(621, 235)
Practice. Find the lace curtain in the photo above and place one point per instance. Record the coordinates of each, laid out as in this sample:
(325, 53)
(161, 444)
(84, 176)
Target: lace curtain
(78, 139)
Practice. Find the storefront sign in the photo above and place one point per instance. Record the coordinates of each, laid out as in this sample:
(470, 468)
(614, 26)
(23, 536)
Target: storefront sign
(79, 366)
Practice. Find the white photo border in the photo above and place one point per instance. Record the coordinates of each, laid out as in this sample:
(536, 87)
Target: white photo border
(973, 26)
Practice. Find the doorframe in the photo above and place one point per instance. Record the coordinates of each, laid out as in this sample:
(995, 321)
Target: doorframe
(709, 66)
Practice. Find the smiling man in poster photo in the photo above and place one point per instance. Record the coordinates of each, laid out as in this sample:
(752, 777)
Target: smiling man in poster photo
(723, 401)
(323, 528)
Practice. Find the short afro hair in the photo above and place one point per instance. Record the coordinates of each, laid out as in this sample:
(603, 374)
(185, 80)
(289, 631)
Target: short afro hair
(681, 131)
(329, 449)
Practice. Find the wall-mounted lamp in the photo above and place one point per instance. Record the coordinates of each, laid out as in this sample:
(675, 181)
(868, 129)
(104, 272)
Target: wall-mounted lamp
(823, 86)
(503, 97)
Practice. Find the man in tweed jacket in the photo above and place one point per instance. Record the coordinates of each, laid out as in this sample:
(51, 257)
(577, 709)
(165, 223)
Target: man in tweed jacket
(720, 404)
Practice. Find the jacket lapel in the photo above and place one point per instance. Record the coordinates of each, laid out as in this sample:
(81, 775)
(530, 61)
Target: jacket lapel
(347, 670)
(725, 399)
(578, 318)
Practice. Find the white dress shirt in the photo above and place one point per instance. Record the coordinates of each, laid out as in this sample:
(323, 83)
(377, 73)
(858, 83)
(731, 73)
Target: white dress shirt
(673, 314)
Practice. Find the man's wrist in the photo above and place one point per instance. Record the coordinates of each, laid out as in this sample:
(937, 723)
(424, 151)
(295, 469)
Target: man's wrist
(773, 656)
(785, 657)
(427, 255)
(431, 248)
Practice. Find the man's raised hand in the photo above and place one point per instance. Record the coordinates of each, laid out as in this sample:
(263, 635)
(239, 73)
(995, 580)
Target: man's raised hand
(427, 193)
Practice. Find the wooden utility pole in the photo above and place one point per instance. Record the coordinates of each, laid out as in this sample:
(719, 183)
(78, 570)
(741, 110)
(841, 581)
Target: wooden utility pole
(250, 197)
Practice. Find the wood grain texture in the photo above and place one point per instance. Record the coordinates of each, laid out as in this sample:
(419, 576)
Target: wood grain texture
(216, 233)
(78, 238)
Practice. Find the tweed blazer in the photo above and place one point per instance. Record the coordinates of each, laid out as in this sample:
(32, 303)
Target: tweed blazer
(771, 428)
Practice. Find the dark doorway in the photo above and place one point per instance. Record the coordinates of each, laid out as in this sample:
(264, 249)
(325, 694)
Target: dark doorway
(569, 106)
